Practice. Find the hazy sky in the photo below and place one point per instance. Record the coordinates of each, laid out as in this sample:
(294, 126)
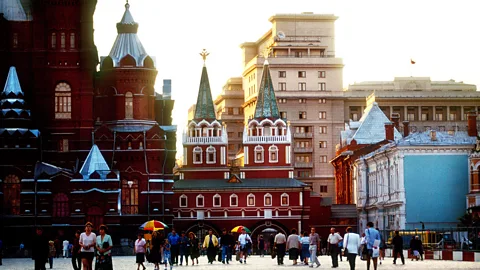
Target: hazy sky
(376, 39)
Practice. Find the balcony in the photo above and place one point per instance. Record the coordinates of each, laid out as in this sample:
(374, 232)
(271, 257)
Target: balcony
(303, 149)
(303, 135)
(266, 139)
(300, 164)
(204, 140)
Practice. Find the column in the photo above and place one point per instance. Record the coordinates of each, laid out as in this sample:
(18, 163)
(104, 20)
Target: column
(405, 113)
(434, 114)
(448, 113)
(289, 51)
(308, 52)
(461, 113)
(419, 113)
(390, 113)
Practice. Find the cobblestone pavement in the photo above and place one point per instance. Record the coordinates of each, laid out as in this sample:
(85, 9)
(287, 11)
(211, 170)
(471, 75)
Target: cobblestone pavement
(254, 262)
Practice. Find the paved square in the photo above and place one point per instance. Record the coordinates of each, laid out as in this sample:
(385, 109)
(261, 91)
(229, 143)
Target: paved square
(254, 262)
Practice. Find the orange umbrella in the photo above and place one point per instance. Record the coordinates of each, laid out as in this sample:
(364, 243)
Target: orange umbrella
(153, 225)
(239, 229)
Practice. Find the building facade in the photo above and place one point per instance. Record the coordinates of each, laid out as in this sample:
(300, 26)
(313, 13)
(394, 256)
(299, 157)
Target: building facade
(404, 184)
(307, 76)
(261, 194)
(230, 111)
(77, 144)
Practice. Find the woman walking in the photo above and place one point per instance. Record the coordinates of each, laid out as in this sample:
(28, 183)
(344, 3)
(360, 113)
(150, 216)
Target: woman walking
(87, 242)
(293, 246)
(52, 251)
(139, 250)
(155, 255)
(194, 247)
(261, 246)
(351, 242)
(305, 254)
(104, 245)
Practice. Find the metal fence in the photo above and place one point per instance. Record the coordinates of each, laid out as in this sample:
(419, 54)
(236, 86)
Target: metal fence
(466, 238)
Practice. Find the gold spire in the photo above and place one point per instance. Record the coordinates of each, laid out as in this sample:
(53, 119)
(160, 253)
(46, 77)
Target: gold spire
(204, 55)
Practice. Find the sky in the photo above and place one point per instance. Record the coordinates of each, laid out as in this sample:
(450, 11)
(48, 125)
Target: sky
(376, 39)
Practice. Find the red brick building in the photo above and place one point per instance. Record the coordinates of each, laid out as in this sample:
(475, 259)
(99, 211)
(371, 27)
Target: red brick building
(77, 144)
(260, 194)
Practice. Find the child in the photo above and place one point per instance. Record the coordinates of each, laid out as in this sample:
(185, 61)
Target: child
(166, 254)
(139, 249)
(51, 252)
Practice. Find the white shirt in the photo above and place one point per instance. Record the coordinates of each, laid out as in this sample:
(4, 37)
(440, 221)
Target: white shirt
(280, 238)
(65, 244)
(87, 240)
(334, 238)
(242, 238)
(351, 241)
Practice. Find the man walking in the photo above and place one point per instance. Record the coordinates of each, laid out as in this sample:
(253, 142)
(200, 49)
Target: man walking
(174, 241)
(397, 242)
(40, 249)
(280, 243)
(333, 239)
(226, 242)
(373, 243)
(210, 243)
(76, 258)
(314, 247)
(183, 248)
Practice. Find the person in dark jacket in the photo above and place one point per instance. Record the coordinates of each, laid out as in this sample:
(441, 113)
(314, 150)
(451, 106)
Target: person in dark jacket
(40, 249)
(397, 242)
(76, 258)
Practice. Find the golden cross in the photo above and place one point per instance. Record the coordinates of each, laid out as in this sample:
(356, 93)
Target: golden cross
(204, 55)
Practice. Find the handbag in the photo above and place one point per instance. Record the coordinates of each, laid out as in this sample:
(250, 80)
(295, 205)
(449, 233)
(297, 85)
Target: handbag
(274, 252)
(345, 251)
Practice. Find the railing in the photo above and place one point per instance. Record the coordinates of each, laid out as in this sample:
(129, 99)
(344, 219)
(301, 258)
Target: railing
(299, 164)
(303, 149)
(303, 135)
(267, 139)
(203, 140)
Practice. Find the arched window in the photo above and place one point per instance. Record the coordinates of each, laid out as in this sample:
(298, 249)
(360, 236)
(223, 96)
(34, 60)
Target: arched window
(258, 154)
(233, 200)
(251, 200)
(183, 200)
(267, 200)
(211, 155)
(284, 199)
(62, 40)
(72, 40)
(197, 155)
(60, 205)
(129, 197)
(53, 40)
(200, 201)
(63, 101)
(217, 200)
(128, 105)
(11, 195)
(273, 154)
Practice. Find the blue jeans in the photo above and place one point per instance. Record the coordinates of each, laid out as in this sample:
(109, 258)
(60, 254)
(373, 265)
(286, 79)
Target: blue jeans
(225, 253)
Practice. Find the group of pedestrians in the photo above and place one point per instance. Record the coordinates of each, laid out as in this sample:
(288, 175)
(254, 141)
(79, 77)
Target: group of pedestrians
(86, 246)
(305, 246)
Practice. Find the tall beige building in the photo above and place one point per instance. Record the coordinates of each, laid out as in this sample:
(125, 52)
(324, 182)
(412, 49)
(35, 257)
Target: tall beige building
(229, 109)
(307, 77)
(425, 104)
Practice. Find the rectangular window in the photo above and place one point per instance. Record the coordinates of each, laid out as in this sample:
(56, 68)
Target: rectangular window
(302, 100)
(62, 40)
(322, 101)
(323, 129)
(323, 159)
(199, 201)
(230, 134)
(283, 115)
(230, 110)
(63, 105)
(302, 74)
(282, 74)
(303, 173)
(282, 86)
(298, 54)
(322, 115)
(183, 202)
(53, 40)
(439, 116)
(240, 134)
(231, 147)
(322, 86)
(424, 116)
(321, 74)
(453, 117)
(411, 117)
(282, 100)
(323, 189)
(216, 201)
(72, 40)
(302, 115)
(302, 86)
(233, 201)
(251, 201)
(322, 144)
(268, 201)
(240, 110)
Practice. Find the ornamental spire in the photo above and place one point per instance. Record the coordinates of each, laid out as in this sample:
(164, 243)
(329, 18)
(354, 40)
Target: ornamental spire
(266, 102)
(204, 108)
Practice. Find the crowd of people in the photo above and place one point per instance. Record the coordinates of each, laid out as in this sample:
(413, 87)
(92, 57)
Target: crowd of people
(178, 249)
